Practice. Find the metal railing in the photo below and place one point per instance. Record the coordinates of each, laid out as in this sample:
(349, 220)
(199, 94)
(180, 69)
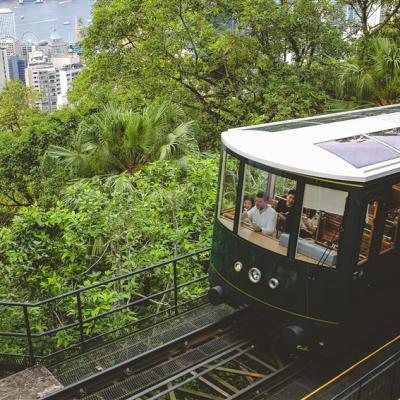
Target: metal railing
(382, 382)
(137, 310)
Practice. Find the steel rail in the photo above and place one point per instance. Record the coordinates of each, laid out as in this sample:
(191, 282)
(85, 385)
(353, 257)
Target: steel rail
(100, 380)
(238, 353)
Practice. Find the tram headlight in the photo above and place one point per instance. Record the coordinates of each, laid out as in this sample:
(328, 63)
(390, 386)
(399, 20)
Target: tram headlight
(237, 266)
(254, 275)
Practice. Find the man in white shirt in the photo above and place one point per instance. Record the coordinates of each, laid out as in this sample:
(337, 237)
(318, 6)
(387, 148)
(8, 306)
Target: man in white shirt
(262, 216)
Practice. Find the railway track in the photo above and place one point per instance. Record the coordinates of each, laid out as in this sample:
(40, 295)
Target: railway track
(230, 359)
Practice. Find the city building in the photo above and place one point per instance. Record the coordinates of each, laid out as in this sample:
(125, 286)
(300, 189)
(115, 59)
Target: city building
(56, 44)
(27, 47)
(17, 65)
(11, 45)
(46, 79)
(38, 57)
(4, 69)
(376, 14)
(68, 74)
(79, 29)
(7, 23)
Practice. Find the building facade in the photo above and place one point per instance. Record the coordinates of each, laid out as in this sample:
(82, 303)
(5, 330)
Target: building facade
(68, 74)
(4, 69)
(46, 80)
(56, 44)
(17, 65)
(7, 23)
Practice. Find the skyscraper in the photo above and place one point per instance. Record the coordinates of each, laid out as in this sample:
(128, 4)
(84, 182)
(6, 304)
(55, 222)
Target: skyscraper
(12, 45)
(4, 69)
(7, 23)
(17, 67)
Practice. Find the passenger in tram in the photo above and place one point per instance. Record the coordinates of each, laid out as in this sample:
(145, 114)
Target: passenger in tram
(248, 203)
(262, 216)
(285, 210)
(309, 226)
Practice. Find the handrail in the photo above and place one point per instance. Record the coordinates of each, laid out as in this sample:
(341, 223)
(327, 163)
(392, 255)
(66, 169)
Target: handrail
(79, 320)
(111, 280)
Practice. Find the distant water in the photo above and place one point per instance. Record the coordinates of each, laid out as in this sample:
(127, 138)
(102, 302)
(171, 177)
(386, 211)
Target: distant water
(40, 19)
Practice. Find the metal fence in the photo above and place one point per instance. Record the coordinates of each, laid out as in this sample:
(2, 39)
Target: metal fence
(36, 343)
(382, 382)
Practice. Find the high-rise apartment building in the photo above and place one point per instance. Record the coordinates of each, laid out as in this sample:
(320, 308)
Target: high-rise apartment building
(68, 74)
(12, 45)
(46, 79)
(7, 23)
(17, 65)
(4, 69)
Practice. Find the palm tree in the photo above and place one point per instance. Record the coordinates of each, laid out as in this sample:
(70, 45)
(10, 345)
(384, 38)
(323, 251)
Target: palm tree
(377, 78)
(121, 141)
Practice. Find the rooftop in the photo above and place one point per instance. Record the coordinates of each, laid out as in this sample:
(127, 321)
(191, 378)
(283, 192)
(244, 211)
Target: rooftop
(357, 146)
(55, 35)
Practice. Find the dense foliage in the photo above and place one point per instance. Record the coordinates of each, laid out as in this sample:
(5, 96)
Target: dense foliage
(94, 191)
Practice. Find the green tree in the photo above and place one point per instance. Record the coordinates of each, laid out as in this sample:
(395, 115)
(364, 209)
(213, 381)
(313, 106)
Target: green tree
(376, 79)
(365, 10)
(117, 140)
(16, 106)
(224, 61)
(23, 177)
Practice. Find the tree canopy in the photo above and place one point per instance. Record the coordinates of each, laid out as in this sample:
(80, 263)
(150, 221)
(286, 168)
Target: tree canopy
(224, 61)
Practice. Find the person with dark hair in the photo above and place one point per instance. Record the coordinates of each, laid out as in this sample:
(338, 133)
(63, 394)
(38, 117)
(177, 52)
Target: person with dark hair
(285, 210)
(248, 203)
(262, 216)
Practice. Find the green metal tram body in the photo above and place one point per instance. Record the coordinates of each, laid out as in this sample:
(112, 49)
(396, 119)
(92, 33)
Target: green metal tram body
(322, 301)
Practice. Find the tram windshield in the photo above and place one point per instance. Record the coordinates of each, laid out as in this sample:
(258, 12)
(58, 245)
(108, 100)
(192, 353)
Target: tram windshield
(229, 183)
(267, 209)
(267, 213)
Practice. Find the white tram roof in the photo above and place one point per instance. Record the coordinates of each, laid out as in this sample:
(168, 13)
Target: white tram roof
(357, 146)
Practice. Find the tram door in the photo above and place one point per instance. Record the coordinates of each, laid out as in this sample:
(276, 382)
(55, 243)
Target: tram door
(377, 273)
(320, 231)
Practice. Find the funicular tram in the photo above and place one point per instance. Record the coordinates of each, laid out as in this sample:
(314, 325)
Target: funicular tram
(331, 188)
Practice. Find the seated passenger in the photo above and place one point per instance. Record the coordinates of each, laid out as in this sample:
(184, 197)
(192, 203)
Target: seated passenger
(248, 203)
(285, 210)
(308, 226)
(262, 216)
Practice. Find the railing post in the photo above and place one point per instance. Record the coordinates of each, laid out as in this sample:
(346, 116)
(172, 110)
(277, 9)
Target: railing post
(28, 333)
(175, 287)
(80, 319)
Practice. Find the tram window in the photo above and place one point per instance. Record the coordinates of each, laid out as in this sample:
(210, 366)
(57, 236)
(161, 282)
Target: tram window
(392, 221)
(268, 223)
(229, 182)
(321, 225)
(368, 230)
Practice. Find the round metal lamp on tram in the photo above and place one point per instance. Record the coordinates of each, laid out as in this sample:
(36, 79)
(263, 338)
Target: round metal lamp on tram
(254, 275)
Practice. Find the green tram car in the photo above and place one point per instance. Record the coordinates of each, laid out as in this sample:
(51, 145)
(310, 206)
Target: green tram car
(332, 261)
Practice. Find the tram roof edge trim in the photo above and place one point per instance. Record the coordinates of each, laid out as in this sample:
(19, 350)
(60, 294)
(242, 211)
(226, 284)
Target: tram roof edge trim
(356, 149)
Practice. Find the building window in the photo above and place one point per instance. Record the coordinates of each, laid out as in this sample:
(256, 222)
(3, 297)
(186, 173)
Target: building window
(229, 182)
(321, 225)
(392, 220)
(368, 231)
(267, 209)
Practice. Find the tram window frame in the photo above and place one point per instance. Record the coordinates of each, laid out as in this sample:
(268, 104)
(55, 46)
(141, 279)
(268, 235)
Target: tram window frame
(228, 222)
(271, 242)
(392, 208)
(309, 248)
(377, 202)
